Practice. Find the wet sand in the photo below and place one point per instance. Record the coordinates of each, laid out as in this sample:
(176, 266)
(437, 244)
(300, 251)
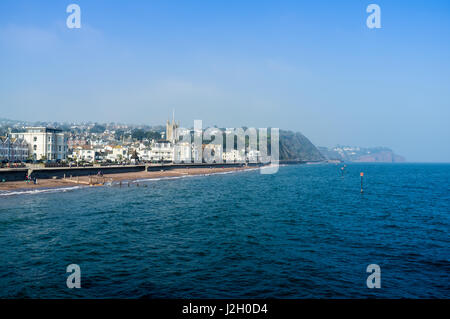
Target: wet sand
(86, 180)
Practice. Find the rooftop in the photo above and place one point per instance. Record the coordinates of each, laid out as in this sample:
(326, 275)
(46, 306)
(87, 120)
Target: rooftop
(42, 129)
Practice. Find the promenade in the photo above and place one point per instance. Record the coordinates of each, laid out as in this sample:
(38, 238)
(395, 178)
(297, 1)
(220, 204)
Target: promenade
(127, 177)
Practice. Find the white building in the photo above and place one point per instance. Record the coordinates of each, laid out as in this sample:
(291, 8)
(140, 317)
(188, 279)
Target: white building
(13, 149)
(143, 152)
(182, 152)
(84, 153)
(45, 143)
(234, 156)
(212, 153)
(161, 151)
(253, 156)
(117, 153)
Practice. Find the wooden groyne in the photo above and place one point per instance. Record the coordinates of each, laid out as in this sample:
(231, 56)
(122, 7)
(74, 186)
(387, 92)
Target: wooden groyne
(92, 180)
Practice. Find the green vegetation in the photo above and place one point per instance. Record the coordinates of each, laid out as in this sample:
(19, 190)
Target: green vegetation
(296, 147)
(140, 134)
(97, 128)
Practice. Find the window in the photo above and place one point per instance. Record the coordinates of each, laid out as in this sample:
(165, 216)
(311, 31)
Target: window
(34, 147)
(35, 138)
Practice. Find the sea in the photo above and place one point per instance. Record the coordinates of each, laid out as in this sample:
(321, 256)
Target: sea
(305, 232)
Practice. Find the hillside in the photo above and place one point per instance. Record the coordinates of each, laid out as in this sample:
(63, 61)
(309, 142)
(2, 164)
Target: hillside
(296, 147)
(361, 154)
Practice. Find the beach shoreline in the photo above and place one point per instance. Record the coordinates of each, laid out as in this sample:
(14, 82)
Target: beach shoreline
(116, 177)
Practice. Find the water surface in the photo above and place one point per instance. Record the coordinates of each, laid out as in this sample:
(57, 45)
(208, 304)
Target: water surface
(303, 232)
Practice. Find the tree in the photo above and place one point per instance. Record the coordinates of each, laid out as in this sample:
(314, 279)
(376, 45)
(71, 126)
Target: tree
(118, 134)
(138, 134)
(97, 128)
(152, 135)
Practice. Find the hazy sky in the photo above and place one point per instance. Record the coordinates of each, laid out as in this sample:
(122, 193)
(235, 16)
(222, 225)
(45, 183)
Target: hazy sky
(309, 66)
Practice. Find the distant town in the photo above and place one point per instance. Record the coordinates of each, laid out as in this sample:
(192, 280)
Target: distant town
(88, 144)
(62, 144)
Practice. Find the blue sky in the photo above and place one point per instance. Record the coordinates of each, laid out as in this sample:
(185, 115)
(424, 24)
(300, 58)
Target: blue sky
(309, 66)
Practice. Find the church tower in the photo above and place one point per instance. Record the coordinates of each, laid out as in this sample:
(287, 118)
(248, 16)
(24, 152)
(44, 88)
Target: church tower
(171, 129)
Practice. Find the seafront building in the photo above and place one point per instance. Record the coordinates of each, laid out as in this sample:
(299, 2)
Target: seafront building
(213, 152)
(161, 151)
(143, 152)
(45, 143)
(182, 152)
(119, 144)
(118, 153)
(13, 149)
(84, 153)
(234, 156)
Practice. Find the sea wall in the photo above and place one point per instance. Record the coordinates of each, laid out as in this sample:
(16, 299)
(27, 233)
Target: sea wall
(19, 174)
(60, 172)
(13, 174)
(167, 167)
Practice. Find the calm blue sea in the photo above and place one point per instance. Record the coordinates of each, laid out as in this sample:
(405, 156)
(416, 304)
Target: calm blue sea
(303, 232)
